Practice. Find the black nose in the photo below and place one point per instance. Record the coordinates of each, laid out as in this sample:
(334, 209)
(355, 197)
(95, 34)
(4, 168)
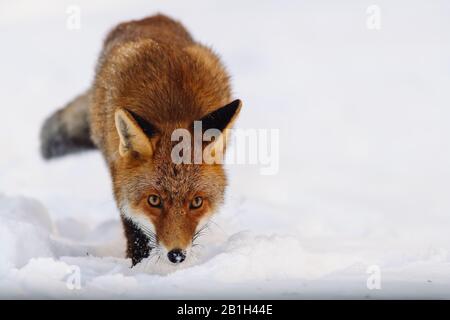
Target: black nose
(176, 256)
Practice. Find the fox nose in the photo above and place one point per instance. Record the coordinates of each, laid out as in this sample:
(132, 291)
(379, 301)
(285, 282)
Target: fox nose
(176, 256)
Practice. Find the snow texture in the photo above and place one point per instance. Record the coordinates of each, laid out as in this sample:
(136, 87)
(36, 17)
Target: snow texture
(364, 174)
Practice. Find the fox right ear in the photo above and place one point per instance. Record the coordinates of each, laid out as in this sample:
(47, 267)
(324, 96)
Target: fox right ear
(222, 118)
(131, 134)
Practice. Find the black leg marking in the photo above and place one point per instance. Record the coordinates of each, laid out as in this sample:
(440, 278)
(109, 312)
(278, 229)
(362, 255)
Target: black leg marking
(138, 247)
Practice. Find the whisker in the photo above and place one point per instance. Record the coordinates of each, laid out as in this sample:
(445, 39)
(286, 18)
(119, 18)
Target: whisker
(198, 234)
(201, 231)
(159, 258)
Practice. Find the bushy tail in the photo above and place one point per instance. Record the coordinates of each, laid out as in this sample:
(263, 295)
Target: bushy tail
(67, 130)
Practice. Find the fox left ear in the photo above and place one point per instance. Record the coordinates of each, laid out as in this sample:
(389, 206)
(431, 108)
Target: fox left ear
(133, 135)
(222, 118)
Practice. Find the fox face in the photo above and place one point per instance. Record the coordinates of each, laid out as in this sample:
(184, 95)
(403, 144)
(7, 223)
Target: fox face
(167, 203)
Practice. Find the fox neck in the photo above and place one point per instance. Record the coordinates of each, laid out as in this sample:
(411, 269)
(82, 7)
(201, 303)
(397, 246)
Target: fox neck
(138, 247)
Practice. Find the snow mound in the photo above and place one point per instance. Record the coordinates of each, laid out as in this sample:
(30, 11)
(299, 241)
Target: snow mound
(25, 230)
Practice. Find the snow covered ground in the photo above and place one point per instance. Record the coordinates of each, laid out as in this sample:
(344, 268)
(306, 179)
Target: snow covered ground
(364, 177)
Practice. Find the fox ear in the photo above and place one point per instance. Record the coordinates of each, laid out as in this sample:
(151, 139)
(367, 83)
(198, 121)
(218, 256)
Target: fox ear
(222, 118)
(134, 134)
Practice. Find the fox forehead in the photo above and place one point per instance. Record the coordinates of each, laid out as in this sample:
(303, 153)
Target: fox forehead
(177, 181)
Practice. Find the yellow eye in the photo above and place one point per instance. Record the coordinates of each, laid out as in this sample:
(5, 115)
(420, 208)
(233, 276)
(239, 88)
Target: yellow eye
(154, 201)
(196, 202)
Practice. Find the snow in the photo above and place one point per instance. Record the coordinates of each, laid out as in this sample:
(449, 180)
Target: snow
(363, 175)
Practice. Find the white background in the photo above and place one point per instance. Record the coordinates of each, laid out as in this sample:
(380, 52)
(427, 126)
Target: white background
(364, 173)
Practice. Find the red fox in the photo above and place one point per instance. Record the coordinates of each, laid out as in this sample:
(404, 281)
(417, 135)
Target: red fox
(152, 78)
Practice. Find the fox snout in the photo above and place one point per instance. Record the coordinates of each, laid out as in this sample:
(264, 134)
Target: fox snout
(175, 235)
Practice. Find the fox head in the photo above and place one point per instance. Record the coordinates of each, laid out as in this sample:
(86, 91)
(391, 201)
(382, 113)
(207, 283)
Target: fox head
(167, 202)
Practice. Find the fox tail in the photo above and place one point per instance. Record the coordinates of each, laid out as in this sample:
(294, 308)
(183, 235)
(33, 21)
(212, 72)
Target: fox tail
(67, 130)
